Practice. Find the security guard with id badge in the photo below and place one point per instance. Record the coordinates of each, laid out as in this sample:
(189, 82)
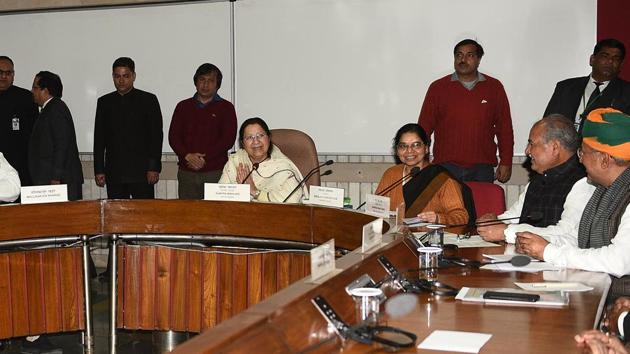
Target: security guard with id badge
(17, 115)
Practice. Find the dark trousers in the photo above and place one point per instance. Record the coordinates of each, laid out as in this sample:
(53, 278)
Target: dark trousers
(190, 185)
(130, 191)
(479, 173)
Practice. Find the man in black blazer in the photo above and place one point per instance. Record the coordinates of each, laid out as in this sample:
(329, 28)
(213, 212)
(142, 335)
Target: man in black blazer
(575, 98)
(53, 156)
(127, 137)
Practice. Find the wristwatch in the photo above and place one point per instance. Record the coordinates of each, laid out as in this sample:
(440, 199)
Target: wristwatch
(256, 194)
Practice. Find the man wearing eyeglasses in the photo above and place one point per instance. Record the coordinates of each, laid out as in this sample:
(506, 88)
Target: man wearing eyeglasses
(17, 114)
(202, 131)
(552, 147)
(602, 240)
(465, 111)
(127, 137)
(576, 97)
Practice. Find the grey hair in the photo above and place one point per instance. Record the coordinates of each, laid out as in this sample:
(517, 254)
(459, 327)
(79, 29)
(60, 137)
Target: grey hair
(621, 162)
(559, 127)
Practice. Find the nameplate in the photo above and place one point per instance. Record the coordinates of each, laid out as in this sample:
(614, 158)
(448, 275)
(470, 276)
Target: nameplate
(226, 192)
(323, 259)
(44, 194)
(326, 196)
(372, 235)
(377, 205)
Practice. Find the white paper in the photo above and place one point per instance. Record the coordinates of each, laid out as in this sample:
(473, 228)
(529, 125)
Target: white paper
(326, 196)
(533, 267)
(226, 192)
(455, 341)
(554, 286)
(372, 235)
(44, 194)
(377, 205)
(472, 241)
(415, 222)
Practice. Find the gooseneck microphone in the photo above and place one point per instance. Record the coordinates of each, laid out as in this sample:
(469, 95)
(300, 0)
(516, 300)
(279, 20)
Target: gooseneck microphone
(309, 175)
(518, 260)
(413, 173)
(254, 168)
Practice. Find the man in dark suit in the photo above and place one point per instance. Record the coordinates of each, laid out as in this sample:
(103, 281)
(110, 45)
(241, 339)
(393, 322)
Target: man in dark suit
(127, 137)
(575, 98)
(53, 155)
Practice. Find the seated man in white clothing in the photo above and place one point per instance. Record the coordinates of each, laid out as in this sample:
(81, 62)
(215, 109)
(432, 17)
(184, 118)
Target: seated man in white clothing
(9, 181)
(603, 235)
(552, 147)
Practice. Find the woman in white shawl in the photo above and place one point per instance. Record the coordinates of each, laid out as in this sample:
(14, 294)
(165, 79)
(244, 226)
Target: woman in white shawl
(274, 175)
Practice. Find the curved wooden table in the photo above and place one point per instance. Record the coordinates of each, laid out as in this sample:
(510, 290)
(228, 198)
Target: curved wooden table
(288, 322)
(47, 291)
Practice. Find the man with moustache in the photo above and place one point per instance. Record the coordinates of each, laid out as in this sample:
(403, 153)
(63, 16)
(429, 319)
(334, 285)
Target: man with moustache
(17, 114)
(127, 137)
(465, 111)
(575, 98)
(552, 147)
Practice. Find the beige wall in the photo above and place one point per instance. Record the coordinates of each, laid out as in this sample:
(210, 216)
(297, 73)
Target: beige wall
(31, 5)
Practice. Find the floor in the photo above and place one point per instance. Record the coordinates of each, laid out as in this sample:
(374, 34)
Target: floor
(139, 342)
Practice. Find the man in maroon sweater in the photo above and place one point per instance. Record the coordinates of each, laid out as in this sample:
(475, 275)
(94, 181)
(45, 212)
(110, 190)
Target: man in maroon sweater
(202, 131)
(465, 111)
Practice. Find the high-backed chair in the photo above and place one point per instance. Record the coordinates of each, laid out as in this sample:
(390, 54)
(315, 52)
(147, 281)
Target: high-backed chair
(300, 148)
(488, 197)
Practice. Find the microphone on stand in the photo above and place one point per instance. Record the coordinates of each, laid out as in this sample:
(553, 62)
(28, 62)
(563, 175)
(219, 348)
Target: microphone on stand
(326, 173)
(413, 173)
(518, 260)
(309, 175)
(254, 168)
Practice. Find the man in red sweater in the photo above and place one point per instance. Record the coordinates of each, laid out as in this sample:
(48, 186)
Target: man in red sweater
(465, 111)
(202, 131)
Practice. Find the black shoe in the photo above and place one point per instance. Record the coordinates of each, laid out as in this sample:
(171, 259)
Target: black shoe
(40, 346)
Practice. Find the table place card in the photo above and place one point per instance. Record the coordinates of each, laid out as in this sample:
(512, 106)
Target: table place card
(226, 192)
(400, 215)
(44, 194)
(326, 196)
(377, 205)
(372, 235)
(323, 259)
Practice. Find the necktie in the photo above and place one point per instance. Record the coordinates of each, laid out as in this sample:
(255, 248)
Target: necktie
(596, 93)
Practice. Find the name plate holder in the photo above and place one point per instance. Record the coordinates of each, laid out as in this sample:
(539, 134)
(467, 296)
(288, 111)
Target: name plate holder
(323, 262)
(52, 193)
(377, 205)
(372, 236)
(326, 196)
(226, 192)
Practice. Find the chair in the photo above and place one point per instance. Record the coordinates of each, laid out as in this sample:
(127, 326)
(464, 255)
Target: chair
(488, 197)
(300, 148)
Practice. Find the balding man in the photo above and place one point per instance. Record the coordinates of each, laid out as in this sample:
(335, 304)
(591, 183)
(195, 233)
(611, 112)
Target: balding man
(552, 147)
(602, 243)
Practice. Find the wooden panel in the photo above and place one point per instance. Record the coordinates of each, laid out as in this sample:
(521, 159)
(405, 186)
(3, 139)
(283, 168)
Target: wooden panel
(35, 292)
(224, 288)
(239, 284)
(130, 283)
(179, 290)
(52, 291)
(284, 268)
(269, 274)
(72, 289)
(209, 292)
(146, 291)
(163, 285)
(194, 311)
(254, 280)
(6, 303)
(19, 295)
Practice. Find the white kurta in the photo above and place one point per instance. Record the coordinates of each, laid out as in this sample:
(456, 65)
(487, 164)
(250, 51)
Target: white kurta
(9, 181)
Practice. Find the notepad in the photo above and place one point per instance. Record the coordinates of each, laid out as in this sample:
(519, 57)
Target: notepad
(455, 341)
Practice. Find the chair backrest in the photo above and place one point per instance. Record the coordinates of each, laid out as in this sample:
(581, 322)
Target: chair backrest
(300, 148)
(488, 197)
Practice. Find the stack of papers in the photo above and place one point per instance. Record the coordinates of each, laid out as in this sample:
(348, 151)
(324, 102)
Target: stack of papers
(455, 341)
(534, 266)
(415, 222)
(554, 286)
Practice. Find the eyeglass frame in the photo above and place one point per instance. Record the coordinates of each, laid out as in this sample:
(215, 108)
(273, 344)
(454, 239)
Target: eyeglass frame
(415, 146)
(257, 136)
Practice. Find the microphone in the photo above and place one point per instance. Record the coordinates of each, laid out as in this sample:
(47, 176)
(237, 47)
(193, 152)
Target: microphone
(254, 168)
(326, 173)
(517, 261)
(413, 173)
(309, 175)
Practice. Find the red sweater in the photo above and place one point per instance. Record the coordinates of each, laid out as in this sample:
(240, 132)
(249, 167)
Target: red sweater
(209, 130)
(465, 122)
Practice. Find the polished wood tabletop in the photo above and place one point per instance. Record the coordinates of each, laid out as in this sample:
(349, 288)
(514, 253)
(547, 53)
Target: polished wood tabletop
(289, 323)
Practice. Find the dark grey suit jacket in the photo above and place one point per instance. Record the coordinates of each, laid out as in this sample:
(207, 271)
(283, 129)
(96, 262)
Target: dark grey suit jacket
(568, 94)
(53, 152)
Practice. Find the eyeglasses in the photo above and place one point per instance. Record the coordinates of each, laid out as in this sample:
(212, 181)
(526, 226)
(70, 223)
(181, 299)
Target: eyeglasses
(414, 146)
(251, 138)
(6, 72)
